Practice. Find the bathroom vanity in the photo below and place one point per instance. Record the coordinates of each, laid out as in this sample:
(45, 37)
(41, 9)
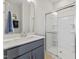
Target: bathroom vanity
(31, 47)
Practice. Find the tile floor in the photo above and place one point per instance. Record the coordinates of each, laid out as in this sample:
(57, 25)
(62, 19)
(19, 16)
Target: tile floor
(48, 56)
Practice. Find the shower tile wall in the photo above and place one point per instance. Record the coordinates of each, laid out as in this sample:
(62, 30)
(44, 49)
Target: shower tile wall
(66, 33)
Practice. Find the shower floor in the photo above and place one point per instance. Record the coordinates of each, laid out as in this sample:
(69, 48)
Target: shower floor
(48, 55)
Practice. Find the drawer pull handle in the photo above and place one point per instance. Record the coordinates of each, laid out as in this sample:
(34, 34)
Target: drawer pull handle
(5, 56)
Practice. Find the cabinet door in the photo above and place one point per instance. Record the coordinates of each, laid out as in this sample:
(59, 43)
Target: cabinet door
(25, 56)
(38, 53)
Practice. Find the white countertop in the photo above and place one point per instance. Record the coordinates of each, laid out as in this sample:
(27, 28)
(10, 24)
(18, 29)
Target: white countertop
(9, 43)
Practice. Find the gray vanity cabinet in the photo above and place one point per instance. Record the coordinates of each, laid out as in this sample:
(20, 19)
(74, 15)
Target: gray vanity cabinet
(38, 53)
(32, 50)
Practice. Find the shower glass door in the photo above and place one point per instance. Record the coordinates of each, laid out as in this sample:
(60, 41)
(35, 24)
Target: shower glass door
(51, 34)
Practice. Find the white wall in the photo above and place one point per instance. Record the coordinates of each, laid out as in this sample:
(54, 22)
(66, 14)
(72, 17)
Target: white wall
(41, 7)
(32, 17)
(25, 16)
(62, 3)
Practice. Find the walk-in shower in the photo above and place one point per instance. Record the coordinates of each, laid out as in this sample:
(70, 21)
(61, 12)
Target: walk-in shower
(60, 32)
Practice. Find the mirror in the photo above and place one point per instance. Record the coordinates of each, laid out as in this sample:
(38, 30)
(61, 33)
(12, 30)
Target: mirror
(12, 16)
(19, 17)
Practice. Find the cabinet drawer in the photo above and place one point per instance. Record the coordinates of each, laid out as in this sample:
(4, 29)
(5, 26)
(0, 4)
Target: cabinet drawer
(37, 44)
(12, 53)
(30, 46)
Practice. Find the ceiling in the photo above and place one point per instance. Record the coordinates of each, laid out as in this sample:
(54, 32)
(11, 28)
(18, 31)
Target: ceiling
(20, 1)
(54, 1)
(15, 1)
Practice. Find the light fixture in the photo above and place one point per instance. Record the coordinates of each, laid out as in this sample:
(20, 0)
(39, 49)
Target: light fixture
(29, 0)
(32, 1)
(55, 13)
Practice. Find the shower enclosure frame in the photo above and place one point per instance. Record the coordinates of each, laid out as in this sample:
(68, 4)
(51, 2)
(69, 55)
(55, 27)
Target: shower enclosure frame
(65, 7)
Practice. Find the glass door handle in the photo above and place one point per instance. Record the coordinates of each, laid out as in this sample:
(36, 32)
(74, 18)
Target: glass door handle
(60, 51)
